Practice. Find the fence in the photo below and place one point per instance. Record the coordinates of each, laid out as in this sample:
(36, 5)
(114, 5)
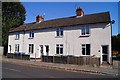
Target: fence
(18, 56)
(82, 60)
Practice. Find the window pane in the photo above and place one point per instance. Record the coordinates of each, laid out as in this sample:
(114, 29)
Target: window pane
(61, 31)
(87, 30)
(57, 32)
(15, 47)
(32, 48)
(104, 49)
(83, 31)
(47, 49)
(61, 45)
(87, 49)
(104, 57)
(32, 34)
(61, 50)
(57, 45)
(18, 47)
(83, 51)
(83, 45)
(57, 50)
(29, 48)
(17, 35)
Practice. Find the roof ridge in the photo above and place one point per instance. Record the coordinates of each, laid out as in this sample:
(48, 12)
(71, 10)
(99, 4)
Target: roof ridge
(84, 15)
(101, 17)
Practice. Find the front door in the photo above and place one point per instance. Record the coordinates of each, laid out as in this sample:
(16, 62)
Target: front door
(105, 54)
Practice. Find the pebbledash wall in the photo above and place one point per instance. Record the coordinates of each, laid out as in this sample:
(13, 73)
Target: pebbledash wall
(100, 34)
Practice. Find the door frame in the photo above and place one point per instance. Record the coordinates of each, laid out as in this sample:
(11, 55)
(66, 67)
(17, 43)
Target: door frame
(102, 53)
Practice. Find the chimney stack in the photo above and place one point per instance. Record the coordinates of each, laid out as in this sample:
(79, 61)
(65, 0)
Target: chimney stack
(79, 12)
(39, 19)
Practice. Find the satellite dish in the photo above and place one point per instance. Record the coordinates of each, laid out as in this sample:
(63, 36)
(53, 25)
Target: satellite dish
(113, 21)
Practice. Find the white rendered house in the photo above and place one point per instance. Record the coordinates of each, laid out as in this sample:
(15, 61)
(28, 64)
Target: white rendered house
(80, 35)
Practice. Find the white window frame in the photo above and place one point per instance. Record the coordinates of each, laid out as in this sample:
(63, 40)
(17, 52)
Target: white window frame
(31, 48)
(84, 30)
(17, 47)
(31, 34)
(17, 35)
(59, 31)
(85, 49)
(60, 46)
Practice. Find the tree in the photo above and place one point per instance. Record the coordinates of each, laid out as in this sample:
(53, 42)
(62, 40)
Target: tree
(116, 43)
(13, 15)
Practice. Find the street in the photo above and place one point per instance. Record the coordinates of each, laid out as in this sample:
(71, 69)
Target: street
(20, 71)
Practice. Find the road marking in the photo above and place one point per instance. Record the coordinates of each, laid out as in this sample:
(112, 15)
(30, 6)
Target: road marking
(12, 69)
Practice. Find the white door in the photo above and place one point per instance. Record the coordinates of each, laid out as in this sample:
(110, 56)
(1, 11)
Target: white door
(105, 54)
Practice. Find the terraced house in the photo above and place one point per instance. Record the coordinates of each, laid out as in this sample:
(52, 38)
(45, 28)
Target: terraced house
(79, 35)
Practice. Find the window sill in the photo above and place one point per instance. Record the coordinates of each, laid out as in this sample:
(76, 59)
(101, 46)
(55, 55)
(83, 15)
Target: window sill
(16, 39)
(85, 55)
(30, 53)
(30, 37)
(59, 37)
(58, 54)
(84, 35)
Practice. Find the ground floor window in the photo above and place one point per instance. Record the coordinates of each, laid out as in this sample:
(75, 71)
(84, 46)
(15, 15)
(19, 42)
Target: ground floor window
(85, 49)
(16, 47)
(47, 49)
(59, 48)
(31, 48)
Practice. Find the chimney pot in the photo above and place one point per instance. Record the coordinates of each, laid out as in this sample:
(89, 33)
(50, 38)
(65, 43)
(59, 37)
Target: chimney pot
(79, 12)
(39, 18)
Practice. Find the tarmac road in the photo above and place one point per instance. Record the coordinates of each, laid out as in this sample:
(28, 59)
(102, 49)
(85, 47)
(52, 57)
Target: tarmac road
(10, 70)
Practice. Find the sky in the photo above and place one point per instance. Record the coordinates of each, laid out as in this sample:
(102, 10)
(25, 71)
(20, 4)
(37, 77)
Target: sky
(53, 10)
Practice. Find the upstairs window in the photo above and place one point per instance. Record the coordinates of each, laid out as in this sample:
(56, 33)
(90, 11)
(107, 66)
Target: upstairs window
(85, 49)
(17, 35)
(16, 47)
(31, 48)
(31, 34)
(85, 31)
(59, 48)
(59, 32)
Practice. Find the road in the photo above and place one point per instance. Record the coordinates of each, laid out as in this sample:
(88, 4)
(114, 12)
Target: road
(22, 71)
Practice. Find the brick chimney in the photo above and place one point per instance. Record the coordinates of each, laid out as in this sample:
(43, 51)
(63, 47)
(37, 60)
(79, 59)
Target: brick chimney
(39, 19)
(79, 12)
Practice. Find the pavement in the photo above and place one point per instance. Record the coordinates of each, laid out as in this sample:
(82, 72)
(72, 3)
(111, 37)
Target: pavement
(69, 67)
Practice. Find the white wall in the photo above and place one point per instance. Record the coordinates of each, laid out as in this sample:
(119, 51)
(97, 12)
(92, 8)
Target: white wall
(100, 34)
